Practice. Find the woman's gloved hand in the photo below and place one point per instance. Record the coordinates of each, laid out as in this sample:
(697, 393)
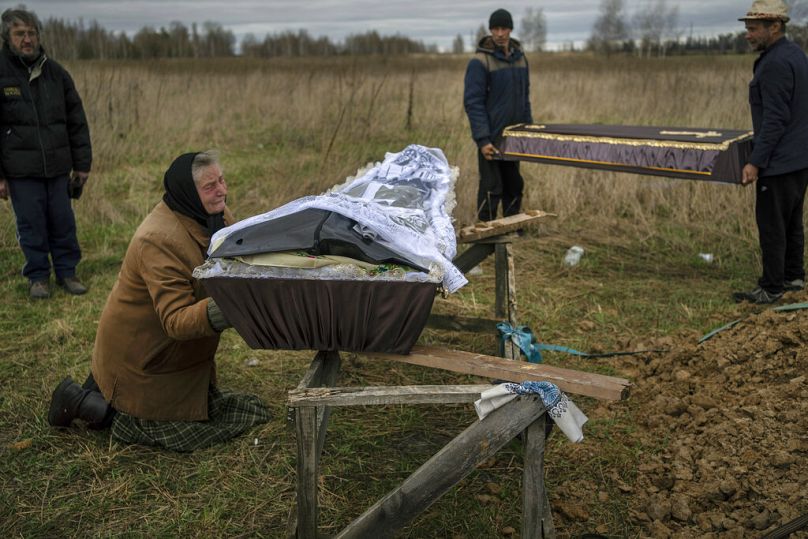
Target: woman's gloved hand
(216, 318)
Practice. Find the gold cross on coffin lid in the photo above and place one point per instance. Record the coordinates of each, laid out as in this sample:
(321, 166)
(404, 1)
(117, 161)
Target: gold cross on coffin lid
(697, 134)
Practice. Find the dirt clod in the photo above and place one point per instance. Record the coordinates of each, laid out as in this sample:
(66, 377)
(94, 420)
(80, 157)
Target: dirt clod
(572, 511)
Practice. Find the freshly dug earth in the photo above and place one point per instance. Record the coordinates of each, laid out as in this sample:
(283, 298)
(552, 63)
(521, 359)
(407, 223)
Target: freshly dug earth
(730, 419)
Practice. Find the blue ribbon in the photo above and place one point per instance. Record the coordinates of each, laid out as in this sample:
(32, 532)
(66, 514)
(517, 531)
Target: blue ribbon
(523, 337)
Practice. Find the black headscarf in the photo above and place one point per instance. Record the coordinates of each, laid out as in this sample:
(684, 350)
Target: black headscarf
(182, 197)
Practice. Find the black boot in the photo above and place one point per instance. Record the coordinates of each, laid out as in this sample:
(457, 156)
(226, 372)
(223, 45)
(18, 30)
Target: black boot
(70, 401)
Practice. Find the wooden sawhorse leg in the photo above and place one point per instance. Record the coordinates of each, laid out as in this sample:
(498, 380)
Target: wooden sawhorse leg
(445, 469)
(537, 519)
(505, 306)
(505, 274)
(310, 429)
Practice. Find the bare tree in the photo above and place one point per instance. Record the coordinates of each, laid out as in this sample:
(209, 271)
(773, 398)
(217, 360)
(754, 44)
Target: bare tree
(534, 29)
(250, 46)
(482, 31)
(799, 11)
(654, 25)
(180, 40)
(458, 47)
(609, 32)
(798, 25)
(217, 41)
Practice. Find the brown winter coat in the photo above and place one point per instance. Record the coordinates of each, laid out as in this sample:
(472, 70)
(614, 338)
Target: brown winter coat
(154, 349)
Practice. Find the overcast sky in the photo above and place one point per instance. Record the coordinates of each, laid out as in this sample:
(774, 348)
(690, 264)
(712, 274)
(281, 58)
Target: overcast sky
(431, 21)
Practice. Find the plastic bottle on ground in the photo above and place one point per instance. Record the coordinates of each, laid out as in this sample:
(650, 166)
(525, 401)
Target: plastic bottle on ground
(707, 257)
(573, 255)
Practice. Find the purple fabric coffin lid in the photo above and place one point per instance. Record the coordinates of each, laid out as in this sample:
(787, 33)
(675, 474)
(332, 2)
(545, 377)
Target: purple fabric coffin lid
(675, 152)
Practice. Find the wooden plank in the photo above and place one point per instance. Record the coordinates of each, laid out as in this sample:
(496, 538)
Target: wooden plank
(462, 323)
(322, 371)
(446, 468)
(373, 395)
(314, 374)
(501, 282)
(331, 365)
(311, 378)
(511, 287)
(472, 256)
(307, 472)
(508, 237)
(571, 381)
(505, 299)
(496, 227)
(537, 519)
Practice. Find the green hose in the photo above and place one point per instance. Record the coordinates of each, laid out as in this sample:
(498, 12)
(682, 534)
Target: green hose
(789, 527)
(781, 309)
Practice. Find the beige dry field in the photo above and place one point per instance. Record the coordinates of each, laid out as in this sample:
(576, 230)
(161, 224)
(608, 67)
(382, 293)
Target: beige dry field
(292, 128)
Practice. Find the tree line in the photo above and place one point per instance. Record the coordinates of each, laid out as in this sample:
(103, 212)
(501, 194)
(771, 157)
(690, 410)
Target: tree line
(69, 40)
(300, 43)
(652, 30)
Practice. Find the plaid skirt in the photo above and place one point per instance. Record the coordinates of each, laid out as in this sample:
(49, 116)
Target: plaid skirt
(229, 414)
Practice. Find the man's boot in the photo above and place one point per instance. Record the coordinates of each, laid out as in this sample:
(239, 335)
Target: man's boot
(70, 401)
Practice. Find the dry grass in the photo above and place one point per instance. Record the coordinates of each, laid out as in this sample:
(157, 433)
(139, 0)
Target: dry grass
(292, 128)
(288, 129)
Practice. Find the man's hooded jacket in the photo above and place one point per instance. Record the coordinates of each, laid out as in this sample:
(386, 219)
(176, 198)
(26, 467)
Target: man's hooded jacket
(43, 128)
(497, 90)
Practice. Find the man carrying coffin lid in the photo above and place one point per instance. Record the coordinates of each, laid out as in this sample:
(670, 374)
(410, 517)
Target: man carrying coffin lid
(496, 95)
(778, 97)
(153, 378)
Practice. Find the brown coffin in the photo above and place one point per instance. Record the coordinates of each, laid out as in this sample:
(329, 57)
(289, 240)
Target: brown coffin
(310, 314)
(716, 155)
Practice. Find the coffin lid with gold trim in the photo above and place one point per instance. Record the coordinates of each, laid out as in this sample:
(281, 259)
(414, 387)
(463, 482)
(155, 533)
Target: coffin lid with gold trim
(689, 153)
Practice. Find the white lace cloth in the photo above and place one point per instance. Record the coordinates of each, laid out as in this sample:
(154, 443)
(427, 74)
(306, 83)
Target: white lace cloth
(404, 203)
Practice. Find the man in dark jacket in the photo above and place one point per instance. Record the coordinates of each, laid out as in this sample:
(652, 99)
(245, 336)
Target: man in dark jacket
(496, 95)
(43, 137)
(778, 97)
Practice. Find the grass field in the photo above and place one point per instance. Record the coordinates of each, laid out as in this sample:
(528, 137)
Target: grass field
(287, 129)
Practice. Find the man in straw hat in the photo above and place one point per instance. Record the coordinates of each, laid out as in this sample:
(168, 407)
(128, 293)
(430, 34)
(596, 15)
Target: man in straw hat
(778, 97)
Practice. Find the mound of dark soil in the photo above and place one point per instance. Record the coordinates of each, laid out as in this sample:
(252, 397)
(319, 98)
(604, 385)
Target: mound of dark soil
(730, 417)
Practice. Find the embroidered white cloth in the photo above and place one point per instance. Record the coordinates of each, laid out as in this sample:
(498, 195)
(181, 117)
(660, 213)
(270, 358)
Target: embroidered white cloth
(564, 413)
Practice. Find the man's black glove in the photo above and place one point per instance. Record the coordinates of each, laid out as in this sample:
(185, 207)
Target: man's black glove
(76, 184)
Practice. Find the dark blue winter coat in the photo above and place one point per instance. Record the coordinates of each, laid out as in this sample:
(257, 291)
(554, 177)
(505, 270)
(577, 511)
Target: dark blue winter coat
(778, 97)
(497, 90)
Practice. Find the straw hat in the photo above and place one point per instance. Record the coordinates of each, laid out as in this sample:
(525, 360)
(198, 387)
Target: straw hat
(767, 10)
